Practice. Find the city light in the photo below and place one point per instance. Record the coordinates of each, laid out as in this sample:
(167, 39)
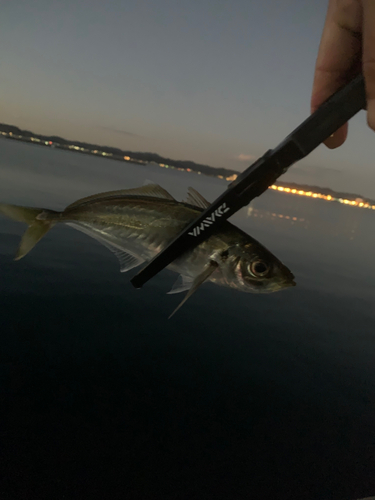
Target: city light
(253, 212)
(354, 203)
(358, 202)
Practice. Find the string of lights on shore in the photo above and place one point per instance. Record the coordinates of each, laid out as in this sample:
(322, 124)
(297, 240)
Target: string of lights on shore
(358, 202)
(300, 192)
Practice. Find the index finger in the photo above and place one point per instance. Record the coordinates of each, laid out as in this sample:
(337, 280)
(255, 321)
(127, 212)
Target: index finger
(338, 57)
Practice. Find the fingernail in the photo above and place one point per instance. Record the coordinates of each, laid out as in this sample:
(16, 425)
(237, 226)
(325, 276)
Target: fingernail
(337, 138)
(331, 142)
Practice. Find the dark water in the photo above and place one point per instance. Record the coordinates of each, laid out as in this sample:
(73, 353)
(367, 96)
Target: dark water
(237, 396)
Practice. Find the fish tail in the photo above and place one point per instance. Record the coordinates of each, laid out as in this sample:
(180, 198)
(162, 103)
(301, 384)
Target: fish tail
(39, 220)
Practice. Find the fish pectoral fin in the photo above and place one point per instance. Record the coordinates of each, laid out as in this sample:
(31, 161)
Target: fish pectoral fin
(197, 282)
(181, 284)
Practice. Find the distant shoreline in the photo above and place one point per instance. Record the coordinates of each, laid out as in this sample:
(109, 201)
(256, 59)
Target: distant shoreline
(14, 133)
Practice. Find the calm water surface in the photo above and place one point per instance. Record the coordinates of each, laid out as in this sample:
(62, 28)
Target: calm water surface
(237, 396)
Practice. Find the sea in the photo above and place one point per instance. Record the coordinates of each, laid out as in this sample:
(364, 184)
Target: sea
(238, 396)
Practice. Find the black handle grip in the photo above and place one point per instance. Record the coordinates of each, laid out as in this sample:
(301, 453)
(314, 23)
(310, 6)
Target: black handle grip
(336, 111)
(330, 116)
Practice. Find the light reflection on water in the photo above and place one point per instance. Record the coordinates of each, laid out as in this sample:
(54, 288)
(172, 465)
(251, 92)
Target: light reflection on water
(278, 385)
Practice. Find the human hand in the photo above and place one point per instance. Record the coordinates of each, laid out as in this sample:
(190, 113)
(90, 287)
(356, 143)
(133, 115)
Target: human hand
(347, 47)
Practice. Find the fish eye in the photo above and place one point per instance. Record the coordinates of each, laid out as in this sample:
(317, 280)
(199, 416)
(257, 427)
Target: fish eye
(259, 268)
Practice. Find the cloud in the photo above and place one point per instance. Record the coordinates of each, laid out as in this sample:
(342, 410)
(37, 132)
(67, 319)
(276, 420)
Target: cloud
(118, 131)
(243, 157)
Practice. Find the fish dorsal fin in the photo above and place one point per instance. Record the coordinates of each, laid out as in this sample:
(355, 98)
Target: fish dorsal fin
(182, 283)
(196, 199)
(198, 280)
(127, 260)
(153, 190)
(146, 182)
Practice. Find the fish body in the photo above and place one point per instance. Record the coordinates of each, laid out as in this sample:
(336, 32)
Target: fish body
(136, 224)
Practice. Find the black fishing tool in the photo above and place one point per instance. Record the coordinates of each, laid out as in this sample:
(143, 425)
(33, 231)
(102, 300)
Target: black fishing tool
(256, 179)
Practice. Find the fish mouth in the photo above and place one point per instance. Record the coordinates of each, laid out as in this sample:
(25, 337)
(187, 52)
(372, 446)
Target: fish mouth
(289, 279)
(289, 283)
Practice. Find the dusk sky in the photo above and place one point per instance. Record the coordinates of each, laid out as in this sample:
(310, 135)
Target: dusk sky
(210, 81)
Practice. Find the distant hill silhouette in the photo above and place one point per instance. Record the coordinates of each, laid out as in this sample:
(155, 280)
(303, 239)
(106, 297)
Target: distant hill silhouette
(117, 152)
(145, 158)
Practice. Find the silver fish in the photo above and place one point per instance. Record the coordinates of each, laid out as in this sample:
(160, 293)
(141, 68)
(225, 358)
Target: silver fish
(136, 224)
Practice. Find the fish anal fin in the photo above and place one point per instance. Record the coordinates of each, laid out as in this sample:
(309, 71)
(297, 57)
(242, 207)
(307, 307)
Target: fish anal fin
(127, 259)
(181, 284)
(198, 280)
(196, 199)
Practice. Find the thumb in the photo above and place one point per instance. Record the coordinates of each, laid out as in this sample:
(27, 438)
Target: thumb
(368, 58)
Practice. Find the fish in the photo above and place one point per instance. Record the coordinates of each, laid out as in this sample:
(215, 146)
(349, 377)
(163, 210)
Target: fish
(138, 223)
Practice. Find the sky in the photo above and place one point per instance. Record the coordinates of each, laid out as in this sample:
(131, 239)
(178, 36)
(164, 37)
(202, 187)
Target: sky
(212, 81)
